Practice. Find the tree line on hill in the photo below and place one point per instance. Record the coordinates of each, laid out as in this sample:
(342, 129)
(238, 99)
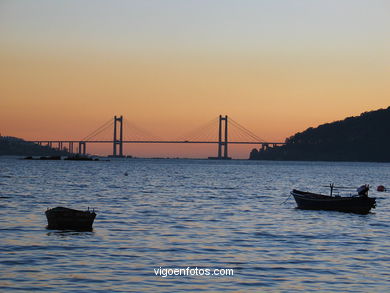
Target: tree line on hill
(364, 138)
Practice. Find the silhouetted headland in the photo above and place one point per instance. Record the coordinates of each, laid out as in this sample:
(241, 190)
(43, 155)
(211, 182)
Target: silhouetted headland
(363, 138)
(12, 146)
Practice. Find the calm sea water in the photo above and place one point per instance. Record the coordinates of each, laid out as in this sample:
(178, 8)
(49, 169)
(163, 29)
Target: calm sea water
(190, 213)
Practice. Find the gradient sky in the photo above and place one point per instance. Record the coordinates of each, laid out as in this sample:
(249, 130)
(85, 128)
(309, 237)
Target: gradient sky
(276, 67)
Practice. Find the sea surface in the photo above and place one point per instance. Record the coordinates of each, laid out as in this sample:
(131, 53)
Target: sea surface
(171, 214)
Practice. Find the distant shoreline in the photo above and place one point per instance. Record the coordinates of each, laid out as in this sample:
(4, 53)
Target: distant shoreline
(18, 157)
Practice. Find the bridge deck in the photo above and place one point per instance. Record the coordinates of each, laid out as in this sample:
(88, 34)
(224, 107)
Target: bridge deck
(153, 141)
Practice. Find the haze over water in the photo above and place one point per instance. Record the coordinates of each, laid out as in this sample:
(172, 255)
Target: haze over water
(190, 213)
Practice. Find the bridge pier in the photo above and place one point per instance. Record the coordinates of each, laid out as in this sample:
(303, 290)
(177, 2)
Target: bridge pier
(264, 146)
(82, 148)
(118, 141)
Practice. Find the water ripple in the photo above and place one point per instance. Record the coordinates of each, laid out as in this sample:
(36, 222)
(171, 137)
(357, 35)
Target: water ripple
(190, 213)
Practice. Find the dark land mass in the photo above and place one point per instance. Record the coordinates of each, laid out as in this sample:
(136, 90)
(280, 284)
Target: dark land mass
(365, 138)
(12, 146)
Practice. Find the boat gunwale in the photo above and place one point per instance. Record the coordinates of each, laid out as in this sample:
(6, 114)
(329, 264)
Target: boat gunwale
(321, 197)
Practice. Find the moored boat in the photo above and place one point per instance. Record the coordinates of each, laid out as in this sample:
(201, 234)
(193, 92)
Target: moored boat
(61, 218)
(360, 204)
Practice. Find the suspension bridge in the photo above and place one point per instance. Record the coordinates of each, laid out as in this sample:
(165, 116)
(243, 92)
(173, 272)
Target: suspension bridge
(217, 131)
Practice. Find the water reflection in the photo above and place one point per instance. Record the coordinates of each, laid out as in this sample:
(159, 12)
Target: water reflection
(69, 233)
(190, 213)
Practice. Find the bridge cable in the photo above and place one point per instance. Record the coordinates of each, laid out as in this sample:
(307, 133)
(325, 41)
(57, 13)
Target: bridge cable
(104, 129)
(240, 134)
(207, 134)
(139, 132)
(199, 131)
(236, 135)
(246, 131)
(98, 130)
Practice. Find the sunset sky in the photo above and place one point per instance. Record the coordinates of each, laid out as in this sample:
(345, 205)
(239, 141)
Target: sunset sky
(276, 67)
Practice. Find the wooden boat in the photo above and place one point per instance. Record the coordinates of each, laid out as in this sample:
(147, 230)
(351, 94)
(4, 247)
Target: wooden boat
(61, 218)
(360, 204)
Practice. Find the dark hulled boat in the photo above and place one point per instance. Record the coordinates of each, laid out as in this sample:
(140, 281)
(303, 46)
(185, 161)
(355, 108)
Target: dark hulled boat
(360, 204)
(61, 218)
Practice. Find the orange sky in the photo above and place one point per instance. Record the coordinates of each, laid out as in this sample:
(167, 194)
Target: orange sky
(53, 89)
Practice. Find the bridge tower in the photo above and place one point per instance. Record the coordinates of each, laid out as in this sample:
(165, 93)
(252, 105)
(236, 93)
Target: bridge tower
(118, 141)
(82, 147)
(223, 138)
